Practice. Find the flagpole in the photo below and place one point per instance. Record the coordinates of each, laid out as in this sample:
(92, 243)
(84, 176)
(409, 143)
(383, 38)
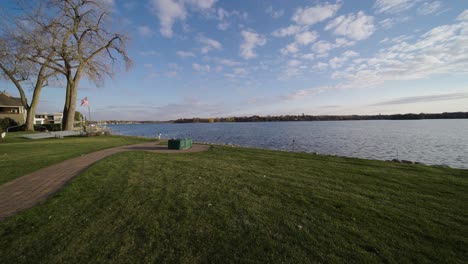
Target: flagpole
(84, 102)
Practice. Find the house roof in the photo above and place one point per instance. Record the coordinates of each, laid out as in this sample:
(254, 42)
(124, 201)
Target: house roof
(6, 100)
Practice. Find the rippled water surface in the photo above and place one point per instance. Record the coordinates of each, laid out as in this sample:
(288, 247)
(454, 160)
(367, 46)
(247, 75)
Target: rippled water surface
(426, 141)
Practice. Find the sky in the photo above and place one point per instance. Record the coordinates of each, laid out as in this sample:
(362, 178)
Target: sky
(221, 58)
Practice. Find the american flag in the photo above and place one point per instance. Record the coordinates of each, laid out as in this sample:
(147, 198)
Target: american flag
(84, 101)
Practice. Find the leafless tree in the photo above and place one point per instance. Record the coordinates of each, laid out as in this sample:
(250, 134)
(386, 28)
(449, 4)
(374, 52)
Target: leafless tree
(23, 39)
(68, 38)
(86, 48)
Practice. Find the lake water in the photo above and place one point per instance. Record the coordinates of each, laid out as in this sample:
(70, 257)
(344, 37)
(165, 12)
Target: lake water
(441, 142)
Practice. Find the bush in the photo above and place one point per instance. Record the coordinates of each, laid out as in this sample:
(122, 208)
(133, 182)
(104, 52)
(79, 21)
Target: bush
(49, 127)
(6, 123)
(54, 127)
(98, 133)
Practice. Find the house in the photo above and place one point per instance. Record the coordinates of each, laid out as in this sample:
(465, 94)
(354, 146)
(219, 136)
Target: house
(12, 107)
(44, 118)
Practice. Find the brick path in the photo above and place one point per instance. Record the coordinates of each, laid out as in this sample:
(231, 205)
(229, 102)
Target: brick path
(26, 191)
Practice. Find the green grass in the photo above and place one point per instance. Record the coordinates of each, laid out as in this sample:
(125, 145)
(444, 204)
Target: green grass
(235, 205)
(19, 156)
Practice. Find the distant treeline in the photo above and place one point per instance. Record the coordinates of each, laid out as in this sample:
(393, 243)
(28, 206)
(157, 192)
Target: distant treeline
(303, 117)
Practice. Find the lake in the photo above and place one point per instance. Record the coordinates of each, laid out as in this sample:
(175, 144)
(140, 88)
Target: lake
(437, 142)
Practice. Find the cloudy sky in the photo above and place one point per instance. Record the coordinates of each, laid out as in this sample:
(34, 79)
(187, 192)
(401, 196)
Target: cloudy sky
(213, 58)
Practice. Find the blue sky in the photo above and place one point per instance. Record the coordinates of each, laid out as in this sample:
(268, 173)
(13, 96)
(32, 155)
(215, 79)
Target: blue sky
(208, 58)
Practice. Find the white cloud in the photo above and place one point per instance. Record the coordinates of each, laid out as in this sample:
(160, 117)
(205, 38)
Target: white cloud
(305, 38)
(290, 49)
(145, 31)
(390, 22)
(287, 31)
(463, 16)
(424, 98)
(338, 62)
(387, 23)
(322, 47)
(342, 42)
(428, 8)
(202, 4)
(302, 93)
(320, 66)
(223, 25)
(290, 71)
(148, 65)
(315, 14)
(227, 62)
(441, 50)
(208, 44)
(171, 11)
(237, 72)
(393, 6)
(397, 39)
(274, 13)
(223, 17)
(201, 68)
(168, 11)
(308, 56)
(222, 13)
(355, 26)
(385, 40)
(294, 63)
(251, 40)
(301, 39)
(185, 54)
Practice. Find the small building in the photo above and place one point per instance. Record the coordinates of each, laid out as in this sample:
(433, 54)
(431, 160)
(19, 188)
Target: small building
(45, 118)
(12, 107)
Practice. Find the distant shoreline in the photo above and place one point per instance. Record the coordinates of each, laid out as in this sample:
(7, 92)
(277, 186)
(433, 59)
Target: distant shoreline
(303, 117)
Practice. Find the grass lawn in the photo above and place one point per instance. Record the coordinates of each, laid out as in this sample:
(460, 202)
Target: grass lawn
(231, 205)
(19, 156)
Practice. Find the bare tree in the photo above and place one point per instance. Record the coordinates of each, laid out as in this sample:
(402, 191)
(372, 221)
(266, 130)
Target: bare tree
(86, 48)
(71, 38)
(25, 55)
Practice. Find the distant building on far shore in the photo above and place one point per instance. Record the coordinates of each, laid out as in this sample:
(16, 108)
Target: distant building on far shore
(11, 107)
(45, 119)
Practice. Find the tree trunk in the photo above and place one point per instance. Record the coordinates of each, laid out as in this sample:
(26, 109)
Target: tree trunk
(31, 110)
(66, 106)
(70, 106)
(29, 125)
(70, 113)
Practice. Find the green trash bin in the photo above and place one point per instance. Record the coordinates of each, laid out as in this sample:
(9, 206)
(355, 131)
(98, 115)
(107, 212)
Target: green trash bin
(188, 143)
(179, 143)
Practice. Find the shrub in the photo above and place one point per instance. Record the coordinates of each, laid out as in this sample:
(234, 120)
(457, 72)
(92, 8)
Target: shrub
(49, 127)
(7, 122)
(98, 133)
(54, 127)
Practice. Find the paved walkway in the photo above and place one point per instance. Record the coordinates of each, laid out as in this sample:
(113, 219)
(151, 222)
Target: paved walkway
(26, 191)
